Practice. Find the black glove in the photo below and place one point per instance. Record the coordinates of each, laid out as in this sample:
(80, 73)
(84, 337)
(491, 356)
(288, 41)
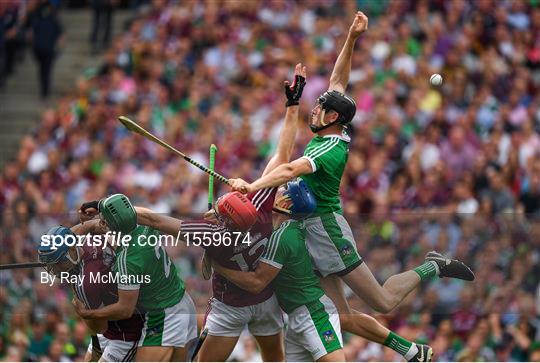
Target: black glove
(294, 91)
(93, 204)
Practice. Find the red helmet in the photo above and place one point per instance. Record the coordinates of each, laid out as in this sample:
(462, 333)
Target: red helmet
(237, 209)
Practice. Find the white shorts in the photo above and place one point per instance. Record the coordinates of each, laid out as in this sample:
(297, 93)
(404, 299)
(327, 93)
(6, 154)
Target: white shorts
(263, 319)
(313, 331)
(330, 243)
(115, 350)
(174, 326)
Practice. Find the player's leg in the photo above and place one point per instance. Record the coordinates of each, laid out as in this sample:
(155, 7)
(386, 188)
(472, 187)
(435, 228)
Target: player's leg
(332, 246)
(179, 355)
(314, 327)
(167, 332)
(335, 356)
(381, 298)
(364, 325)
(271, 347)
(225, 324)
(119, 351)
(352, 321)
(217, 348)
(93, 354)
(267, 328)
(154, 354)
(331, 243)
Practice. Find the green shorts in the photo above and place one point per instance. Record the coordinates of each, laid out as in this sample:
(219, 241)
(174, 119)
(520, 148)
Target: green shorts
(174, 326)
(331, 244)
(313, 331)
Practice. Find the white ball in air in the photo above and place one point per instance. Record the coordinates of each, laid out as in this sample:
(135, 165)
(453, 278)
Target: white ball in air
(435, 79)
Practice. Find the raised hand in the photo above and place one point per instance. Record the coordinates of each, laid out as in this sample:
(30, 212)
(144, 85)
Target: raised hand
(294, 91)
(359, 25)
(88, 211)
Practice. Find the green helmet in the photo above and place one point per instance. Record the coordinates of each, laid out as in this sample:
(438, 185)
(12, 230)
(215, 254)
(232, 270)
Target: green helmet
(118, 212)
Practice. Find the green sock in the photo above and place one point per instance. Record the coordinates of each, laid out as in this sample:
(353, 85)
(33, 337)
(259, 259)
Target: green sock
(400, 345)
(427, 270)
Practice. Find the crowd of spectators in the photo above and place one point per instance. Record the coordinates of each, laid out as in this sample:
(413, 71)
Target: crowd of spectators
(30, 24)
(454, 168)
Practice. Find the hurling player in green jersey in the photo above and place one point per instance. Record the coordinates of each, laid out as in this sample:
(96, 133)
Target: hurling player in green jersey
(329, 238)
(148, 281)
(313, 331)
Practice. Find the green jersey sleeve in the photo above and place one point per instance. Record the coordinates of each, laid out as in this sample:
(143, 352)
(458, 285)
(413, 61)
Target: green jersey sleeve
(277, 249)
(127, 265)
(325, 155)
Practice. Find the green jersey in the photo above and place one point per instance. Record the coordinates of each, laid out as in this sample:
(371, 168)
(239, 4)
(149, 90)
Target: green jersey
(328, 156)
(296, 284)
(147, 267)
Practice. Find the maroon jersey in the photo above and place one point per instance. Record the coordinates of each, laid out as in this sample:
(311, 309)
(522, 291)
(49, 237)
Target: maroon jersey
(94, 292)
(243, 256)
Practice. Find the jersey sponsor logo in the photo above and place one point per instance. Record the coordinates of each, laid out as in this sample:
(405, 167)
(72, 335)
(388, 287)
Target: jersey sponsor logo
(156, 330)
(329, 336)
(345, 250)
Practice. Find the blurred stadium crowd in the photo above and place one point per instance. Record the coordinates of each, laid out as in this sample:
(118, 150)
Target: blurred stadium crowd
(455, 168)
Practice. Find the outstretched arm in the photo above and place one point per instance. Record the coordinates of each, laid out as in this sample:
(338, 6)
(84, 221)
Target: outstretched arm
(290, 126)
(276, 177)
(286, 140)
(340, 75)
(162, 223)
(252, 281)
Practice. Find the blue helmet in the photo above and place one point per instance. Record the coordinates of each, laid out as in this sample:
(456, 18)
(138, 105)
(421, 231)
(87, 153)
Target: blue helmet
(303, 200)
(54, 251)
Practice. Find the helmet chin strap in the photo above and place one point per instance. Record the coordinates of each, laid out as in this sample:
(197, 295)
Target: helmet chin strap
(281, 210)
(316, 129)
(75, 262)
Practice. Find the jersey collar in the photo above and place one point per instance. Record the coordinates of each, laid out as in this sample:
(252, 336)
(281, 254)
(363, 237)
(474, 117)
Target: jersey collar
(343, 136)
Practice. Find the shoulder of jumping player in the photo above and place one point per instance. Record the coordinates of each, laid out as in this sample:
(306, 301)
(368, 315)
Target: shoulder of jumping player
(326, 152)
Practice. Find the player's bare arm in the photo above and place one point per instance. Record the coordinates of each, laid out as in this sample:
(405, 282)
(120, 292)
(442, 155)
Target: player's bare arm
(252, 281)
(290, 126)
(93, 226)
(340, 75)
(162, 223)
(120, 310)
(276, 177)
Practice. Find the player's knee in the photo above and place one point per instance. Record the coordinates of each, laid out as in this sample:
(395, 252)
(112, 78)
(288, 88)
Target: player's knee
(383, 306)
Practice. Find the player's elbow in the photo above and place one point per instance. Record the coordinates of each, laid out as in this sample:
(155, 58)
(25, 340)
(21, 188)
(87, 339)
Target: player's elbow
(125, 312)
(125, 315)
(257, 286)
(289, 171)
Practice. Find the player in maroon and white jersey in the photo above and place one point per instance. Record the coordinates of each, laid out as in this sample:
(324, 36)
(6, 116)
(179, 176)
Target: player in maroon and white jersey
(119, 339)
(231, 308)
